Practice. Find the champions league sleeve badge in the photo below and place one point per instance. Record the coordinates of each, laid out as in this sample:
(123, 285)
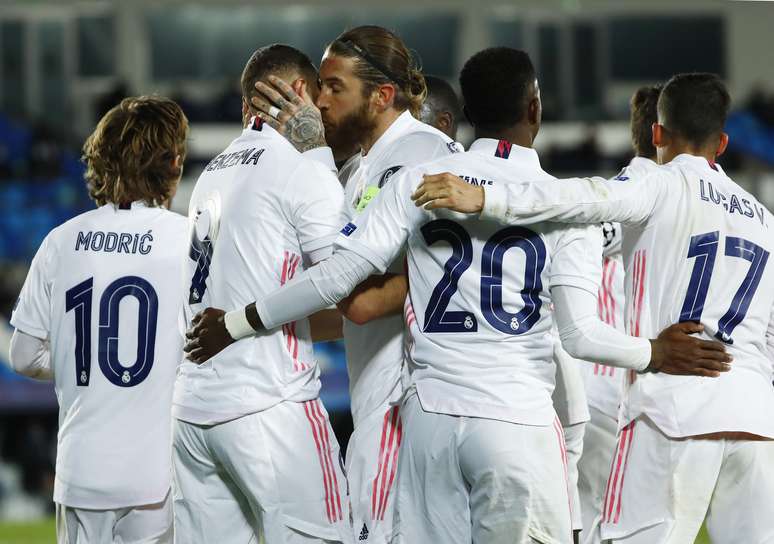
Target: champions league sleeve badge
(385, 177)
(455, 147)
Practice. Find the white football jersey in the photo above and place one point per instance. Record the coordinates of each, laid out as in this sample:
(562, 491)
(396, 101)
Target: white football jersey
(260, 211)
(604, 384)
(482, 344)
(696, 248)
(104, 289)
(375, 350)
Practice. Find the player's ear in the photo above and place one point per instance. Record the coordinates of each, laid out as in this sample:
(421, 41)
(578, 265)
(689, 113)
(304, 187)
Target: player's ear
(533, 111)
(660, 135)
(384, 96)
(722, 145)
(444, 121)
(177, 165)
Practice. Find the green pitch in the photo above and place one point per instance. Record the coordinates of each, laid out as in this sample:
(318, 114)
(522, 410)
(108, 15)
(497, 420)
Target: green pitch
(42, 532)
(37, 532)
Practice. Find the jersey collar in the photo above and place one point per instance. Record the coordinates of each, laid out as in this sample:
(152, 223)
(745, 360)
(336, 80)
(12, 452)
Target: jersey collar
(398, 127)
(698, 162)
(504, 149)
(643, 162)
(137, 204)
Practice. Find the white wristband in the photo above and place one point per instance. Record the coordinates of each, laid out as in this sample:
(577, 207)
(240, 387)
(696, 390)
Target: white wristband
(237, 324)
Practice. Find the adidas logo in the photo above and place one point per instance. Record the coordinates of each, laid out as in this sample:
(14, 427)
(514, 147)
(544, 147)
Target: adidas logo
(363, 533)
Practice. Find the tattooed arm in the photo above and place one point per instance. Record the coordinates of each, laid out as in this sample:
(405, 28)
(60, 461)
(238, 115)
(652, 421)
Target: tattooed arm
(298, 119)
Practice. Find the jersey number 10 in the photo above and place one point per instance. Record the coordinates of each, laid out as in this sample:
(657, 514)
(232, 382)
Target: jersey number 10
(79, 298)
(704, 248)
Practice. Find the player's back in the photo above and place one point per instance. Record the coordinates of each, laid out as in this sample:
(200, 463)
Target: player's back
(480, 292)
(113, 281)
(255, 214)
(703, 256)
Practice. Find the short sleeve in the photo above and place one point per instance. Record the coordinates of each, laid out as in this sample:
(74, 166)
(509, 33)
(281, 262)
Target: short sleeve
(577, 259)
(315, 199)
(379, 233)
(32, 313)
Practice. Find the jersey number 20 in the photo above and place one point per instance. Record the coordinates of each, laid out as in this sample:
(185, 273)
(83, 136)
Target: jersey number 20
(437, 319)
(79, 298)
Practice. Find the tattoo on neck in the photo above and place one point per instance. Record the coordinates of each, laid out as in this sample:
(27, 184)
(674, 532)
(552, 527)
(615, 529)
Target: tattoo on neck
(305, 129)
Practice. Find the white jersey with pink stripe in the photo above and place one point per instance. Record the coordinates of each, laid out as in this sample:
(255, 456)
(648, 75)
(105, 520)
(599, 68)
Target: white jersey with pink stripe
(480, 324)
(259, 212)
(696, 248)
(703, 257)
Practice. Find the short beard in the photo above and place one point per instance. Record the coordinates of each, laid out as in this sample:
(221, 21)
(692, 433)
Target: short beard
(345, 137)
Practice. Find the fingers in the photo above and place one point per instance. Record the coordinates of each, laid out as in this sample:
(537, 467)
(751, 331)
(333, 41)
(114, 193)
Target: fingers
(191, 345)
(703, 372)
(286, 90)
(427, 191)
(278, 117)
(275, 98)
(419, 191)
(438, 203)
(689, 327)
(429, 196)
(197, 356)
(271, 121)
(711, 364)
(436, 178)
(716, 348)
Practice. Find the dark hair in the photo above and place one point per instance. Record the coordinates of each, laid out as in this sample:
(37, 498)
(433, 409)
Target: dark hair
(495, 85)
(643, 115)
(131, 153)
(275, 59)
(442, 97)
(383, 58)
(694, 107)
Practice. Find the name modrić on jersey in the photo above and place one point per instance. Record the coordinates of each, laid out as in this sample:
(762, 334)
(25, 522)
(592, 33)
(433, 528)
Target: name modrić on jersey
(114, 242)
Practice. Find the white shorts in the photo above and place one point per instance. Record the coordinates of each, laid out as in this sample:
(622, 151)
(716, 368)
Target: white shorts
(372, 460)
(465, 479)
(593, 469)
(275, 473)
(661, 489)
(150, 524)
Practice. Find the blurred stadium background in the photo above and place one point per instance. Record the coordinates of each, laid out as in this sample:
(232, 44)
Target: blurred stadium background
(64, 63)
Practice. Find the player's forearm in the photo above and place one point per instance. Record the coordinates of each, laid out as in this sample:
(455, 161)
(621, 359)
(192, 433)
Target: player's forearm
(30, 356)
(315, 289)
(584, 336)
(326, 325)
(377, 297)
(577, 200)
